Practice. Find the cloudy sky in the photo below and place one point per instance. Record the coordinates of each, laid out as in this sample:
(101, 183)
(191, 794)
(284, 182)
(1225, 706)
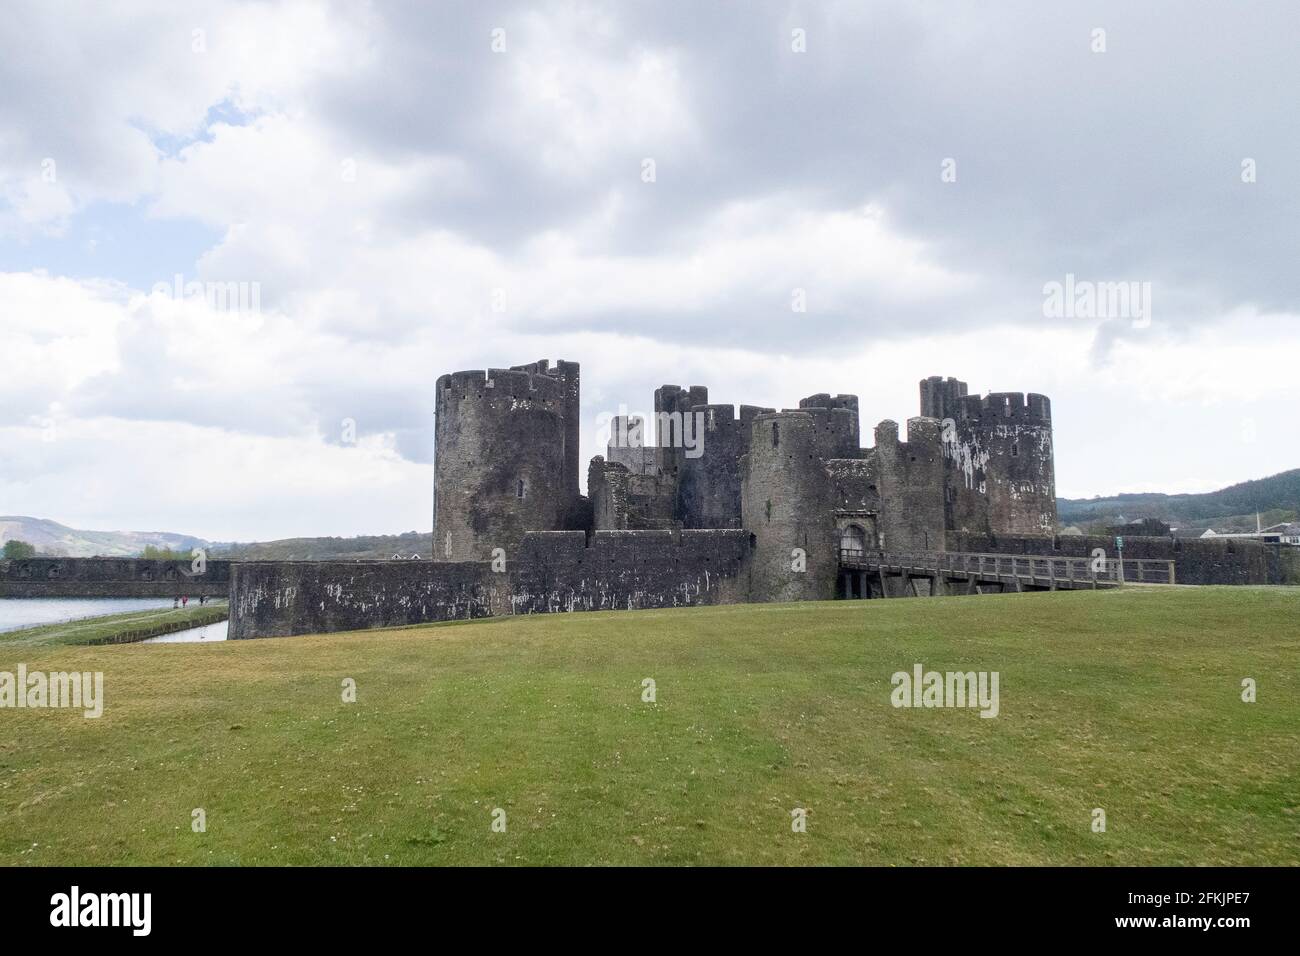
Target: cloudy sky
(414, 188)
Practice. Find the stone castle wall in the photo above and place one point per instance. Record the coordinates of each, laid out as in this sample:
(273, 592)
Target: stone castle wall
(110, 578)
(1196, 560)
(550, 572)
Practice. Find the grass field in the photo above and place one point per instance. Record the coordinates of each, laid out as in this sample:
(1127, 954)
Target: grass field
(1129, 701)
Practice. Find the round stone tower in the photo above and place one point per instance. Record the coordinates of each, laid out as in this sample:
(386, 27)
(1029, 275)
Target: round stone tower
(1001, 468)
(502, 458)
(785, 506)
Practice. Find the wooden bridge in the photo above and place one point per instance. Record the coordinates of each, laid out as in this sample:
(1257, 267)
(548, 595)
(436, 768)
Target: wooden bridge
(869, 573)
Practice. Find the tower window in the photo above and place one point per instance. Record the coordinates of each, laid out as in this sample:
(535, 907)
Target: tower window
(519, 488)
(776, 434)
(1015, 451)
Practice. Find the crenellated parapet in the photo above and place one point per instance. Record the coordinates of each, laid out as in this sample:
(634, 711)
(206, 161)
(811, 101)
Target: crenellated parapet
(837, 423)
(1006, 408)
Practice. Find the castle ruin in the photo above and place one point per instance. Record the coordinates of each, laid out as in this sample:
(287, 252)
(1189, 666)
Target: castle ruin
(506, 466)
(707, 504)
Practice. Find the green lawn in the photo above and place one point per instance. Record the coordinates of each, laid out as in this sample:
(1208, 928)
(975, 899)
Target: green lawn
(1125, 700)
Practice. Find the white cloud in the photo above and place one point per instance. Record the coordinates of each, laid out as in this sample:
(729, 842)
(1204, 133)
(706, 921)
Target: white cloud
(230, 486)
(381, 174)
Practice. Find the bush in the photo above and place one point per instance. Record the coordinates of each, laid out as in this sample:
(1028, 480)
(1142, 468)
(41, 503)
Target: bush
(16, 550)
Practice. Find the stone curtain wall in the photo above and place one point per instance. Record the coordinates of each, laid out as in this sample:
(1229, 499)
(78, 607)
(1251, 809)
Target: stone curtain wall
(1196, 561)
(280, 598)
(110, 578)
(561, 571)
(552, 572)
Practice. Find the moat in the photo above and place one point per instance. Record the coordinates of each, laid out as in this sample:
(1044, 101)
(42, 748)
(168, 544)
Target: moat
(16, 613)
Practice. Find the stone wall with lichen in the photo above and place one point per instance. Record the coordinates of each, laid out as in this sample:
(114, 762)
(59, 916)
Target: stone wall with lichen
(111, 578)
(550, 572)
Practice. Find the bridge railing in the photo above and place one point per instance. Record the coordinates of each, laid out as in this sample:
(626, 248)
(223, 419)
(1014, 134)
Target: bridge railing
(1071, 570)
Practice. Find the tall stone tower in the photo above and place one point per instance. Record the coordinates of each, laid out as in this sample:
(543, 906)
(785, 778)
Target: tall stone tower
(505, 457)
(1000, 470)
(785, 501)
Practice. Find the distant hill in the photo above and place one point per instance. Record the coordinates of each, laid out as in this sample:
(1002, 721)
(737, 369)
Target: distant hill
(52, 539)
(57, 540)
(1276, 498)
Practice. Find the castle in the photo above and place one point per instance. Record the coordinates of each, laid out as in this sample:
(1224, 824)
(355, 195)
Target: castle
(705, 504)
(797, 481)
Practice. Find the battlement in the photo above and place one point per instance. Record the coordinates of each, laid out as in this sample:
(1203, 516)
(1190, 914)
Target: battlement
(925, 431)
(679, 398)
(942, 397)
(562, 369)
(825, 400)
(778, 434)
(500, 382)
(922, 431)
(718, 418)
(887, 433)
(1003, 407)
(716, 413)
(798, 415)
(836, 430)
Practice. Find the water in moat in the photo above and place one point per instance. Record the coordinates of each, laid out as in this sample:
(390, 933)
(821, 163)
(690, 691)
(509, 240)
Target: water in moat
(29, 612)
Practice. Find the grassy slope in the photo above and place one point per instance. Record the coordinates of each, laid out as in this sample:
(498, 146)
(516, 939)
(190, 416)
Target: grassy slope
(1123, 700)
(107, 626)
